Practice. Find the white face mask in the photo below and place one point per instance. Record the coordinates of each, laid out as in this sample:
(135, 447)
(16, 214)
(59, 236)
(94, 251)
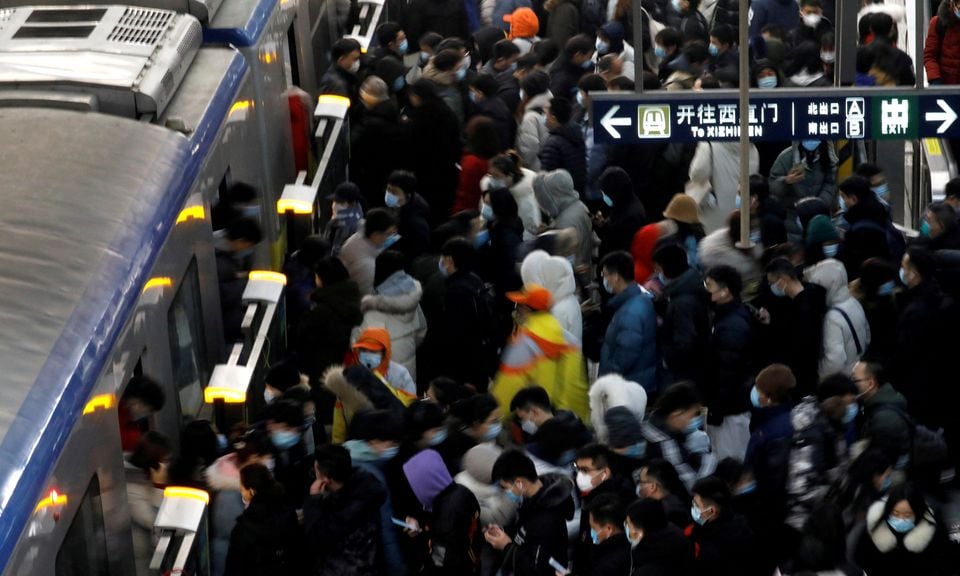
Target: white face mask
(828, 57)
(584, 482)
(355, 67)
(811, 20)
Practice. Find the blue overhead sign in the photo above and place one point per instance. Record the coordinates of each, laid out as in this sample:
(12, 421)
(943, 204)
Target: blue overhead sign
(837, 114)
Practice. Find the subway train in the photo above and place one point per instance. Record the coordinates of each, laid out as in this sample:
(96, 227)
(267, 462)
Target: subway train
(122, 126)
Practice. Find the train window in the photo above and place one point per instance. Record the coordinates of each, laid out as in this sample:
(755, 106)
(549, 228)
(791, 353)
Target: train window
(290, 51)
(187, 341)
(220, 211)
(84, 550)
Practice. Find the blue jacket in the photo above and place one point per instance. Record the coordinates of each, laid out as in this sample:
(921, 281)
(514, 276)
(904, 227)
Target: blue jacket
(630, 344)
(783, 12)
(365, 459)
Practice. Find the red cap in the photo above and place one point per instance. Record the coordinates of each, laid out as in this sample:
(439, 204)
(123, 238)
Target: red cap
(533, 296)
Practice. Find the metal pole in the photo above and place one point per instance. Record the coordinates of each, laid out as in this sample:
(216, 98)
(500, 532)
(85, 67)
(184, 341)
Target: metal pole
(638, 46)
(744, 126)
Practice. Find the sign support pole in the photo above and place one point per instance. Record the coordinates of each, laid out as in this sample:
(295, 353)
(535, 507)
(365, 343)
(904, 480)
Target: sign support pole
(638, 52)
(744, 191)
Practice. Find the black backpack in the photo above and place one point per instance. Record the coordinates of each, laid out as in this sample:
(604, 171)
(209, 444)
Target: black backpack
(928, 448)
(896, 243)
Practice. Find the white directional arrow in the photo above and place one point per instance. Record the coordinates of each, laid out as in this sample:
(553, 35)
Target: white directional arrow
(610, 123)
(947, 117)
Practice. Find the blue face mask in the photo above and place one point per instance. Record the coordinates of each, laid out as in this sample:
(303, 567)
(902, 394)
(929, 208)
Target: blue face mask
(424, 57)
(676, 5)
(399, 83)
(607, 287)
(587, 64)
(901, 525)
(714, 51)
(370, 359)
(748, 488)
(842, 203)
(441, 267)
(767, 82)
(925, 229)
(755, 398)
(602, 47)
(473, 97)
(461, 74)
(755, 236)
(831, 250)
(404, 46)
(391, 199)
(486, 211)
(481, 238)
(903, 276)
(887, 483)
(697, 515)
(515, 498)
(492, 432)
(580, 98)
(851, 414)
(810, 145)
(886, 288)
(594, 537)
(222, 442)
(736, 201)
(438, 438)
(660, 52)
(390, 241)
(694, 425)
(607, 200)
(662, 278)
(956, 12)
(777, 290)
(636, 451)
(882, 191)
(388, 453)
(284, 439)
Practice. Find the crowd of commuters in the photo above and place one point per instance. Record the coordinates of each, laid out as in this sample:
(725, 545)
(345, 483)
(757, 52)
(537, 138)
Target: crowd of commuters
(515, 351)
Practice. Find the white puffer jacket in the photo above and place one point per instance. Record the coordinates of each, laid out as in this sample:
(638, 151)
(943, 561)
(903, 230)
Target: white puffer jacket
(611, 391)
(527, 207)
(840, 347)
(556, 275)
(395, 305)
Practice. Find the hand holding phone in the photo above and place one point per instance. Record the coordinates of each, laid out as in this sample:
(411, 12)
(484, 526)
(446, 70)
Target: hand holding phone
(560, 568)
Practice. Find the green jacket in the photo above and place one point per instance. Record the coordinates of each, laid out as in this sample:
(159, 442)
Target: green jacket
(884, 424)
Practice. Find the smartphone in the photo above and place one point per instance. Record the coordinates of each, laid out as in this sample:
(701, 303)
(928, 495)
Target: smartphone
(404, 524)
(558, 567)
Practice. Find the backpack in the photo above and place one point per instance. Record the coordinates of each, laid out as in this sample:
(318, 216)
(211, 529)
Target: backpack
(928, 448)
(896, 243)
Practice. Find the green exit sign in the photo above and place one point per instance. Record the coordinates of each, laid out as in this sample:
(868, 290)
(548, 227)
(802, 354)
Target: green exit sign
(895, 117)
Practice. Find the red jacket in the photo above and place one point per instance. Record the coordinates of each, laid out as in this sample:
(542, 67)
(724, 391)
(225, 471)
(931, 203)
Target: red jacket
(941, 57)
(472, 169)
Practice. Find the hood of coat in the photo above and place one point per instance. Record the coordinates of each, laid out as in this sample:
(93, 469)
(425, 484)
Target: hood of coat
(884, 538)
(441, 77)
(541, 101)
(375, 338)
(611, 391)
(556, 494)
(223, 474)
(552, 272)
(945, 13)
(400, 293)
(616, 183)
(428, 476)
(350, 396)
(832, 276)
(554, 192)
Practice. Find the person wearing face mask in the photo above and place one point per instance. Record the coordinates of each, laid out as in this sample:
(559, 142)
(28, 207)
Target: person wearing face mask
(413, 213)
(234, 251)
(532, 131)
(802, 318)
(486, 101)
(549, 435)
(766, 74)
(266, 538)
(782, 13)
(870, 233)
(564, 147)
(814, 24)
(359, 253)
(821, 241)
(341, 77)
(545, 505)
(575, 60)
(346, 215)
(474, 420)
(723, 538)
(379, 144)
(621, 213)
(282, 376)
(903, 536)
(448, 71)
(284, 427)
(666, 48)
(658, 548)
(374, 443)
(477, 476)
(939, 229)
(392, 42)
(541, 351)
(805, 169)
(723, 51)
(610, 40)
(846, 332)
(560, 205)
(674, 433)
(630, 342)
(599, 489)
(609, 547)
(882, 424)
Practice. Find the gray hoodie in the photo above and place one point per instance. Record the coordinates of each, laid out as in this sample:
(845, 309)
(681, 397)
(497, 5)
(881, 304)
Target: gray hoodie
(561, 204)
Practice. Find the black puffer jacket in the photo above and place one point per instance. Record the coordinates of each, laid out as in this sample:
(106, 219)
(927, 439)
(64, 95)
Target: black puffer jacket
(666, 552)
(454, 533)
(565, 148)
(866, 237)
(586, 555)
(685, 332)
(542, 529)
(378, 146)
(448, 18)
(626, 215)
(730, 361)
(343, 528)
(324, 336)
(265, 542)
(414, 227)
(725, 547)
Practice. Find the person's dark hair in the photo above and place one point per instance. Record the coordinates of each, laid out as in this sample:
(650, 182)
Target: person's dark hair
(883, 56)
(781, 267)
(531, 396)
(695, 51)
(599, 454)
(775, 31)
(244, 229)
(198, 449)
(945, 215)
(650, 81)
(312, 249)
(461, 251)
(334, 462)
(448, 391)
(622, 84)
(713, 490)
(874, 273)
(377, 425)
(331, 271)
(504, 206)
(152, 449)
(257, 477)
(709, 82)
(240, 193)
(420, 417)
(620, 263)
(728, 277)
(509, 164)
(881, 24)
(342, 47)
(546, 51)
(922, 261)
(669, 36)
(378, 220)
(666, 475)
(405, 180)
(486, 85)
(874, 460)
(146, 390)
(387, 33)
(648, 515)
(759, 187)
(561, 109)
(447, 59)
(431, 39)
(299, 394)
(607, 510)
(388, 263)
(483, 138)
(513, 464)
(909, 492)
(592, 83)
(730, 470)
(285, 411)
(811, 4)
(473, 410)
(505, 49)
(836, 385)
(857, 186)
(254, 443)
(806, 57)
(952, 189)
(452, 43)
(694, 5)
(528, 61)
(672, 258)
(535, 83)
(867, 170)
(677, 396)
(863, 28)
(579, 44)
(723, 33)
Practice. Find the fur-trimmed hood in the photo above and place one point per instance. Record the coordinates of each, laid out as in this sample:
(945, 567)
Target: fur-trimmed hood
(352, 399)
(614, 390)
(885, 539)
(398, 294)
(223, 474)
